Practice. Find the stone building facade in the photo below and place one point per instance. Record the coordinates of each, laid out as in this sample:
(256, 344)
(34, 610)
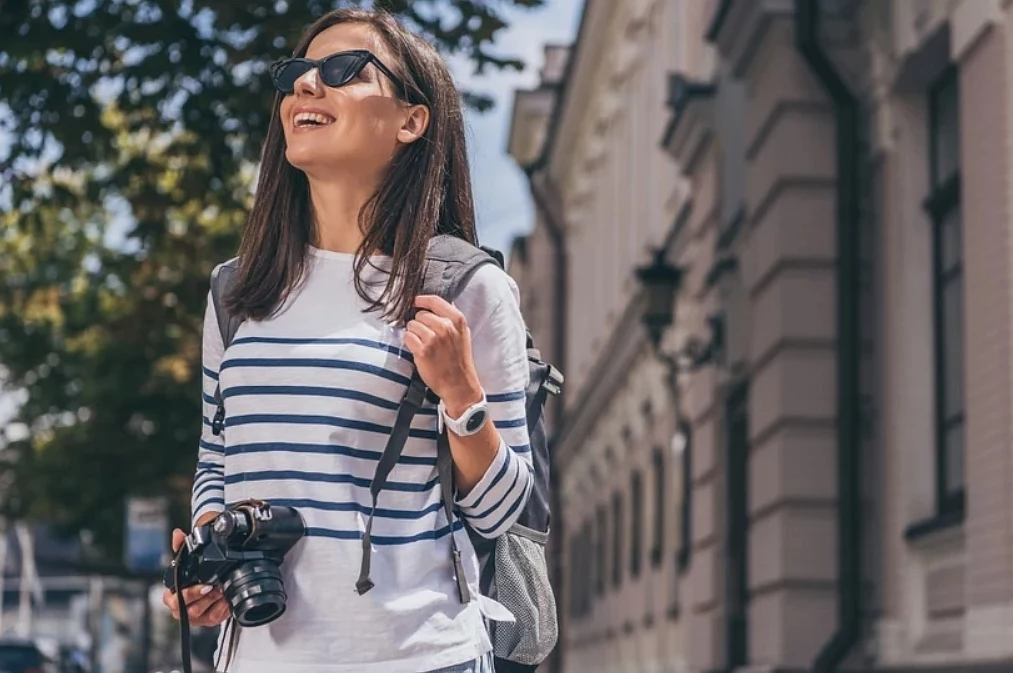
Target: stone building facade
(831, 486)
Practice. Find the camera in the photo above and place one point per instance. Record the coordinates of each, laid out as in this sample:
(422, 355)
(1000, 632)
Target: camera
(241, 550)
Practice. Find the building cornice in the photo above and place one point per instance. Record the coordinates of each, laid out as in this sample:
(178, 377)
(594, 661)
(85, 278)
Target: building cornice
(590, 21)
(689, 129)
(529, 120)
(592, 101)
(717, 18)
(739, 26)
(971, 21)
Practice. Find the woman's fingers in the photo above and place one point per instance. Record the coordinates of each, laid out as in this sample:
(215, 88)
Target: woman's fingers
(440, 307)
(436, 324)
(420, 329)
(214, 615)
(169, 600)
(413, 343)
(199, 599)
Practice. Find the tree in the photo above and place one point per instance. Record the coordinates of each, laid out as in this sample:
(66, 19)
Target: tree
(134, 128)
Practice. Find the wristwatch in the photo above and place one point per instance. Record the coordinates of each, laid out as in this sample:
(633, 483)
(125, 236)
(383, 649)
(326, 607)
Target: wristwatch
(470, 422)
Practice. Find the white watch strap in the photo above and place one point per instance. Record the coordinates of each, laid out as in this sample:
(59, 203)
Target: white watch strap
(443, 418)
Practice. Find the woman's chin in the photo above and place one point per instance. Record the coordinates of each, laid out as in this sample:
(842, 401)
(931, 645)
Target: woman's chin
(306, 157)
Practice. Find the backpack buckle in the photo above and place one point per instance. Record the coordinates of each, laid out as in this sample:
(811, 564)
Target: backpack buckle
(218, 422)
(554, 381)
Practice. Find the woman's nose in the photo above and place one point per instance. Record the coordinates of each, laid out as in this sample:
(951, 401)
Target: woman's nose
(309, 84)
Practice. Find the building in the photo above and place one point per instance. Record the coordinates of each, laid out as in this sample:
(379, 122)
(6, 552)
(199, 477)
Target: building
(804, 462)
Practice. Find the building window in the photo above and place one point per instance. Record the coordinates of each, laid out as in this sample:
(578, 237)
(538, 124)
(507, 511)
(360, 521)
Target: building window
(658, 544)
(685, 446)
(943, 206)
(617, 539)
(587, 586)
(602, 575)
(636, 524)
(737, 527)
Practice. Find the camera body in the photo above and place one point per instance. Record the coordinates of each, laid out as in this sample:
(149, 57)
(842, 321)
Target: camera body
(241, 550)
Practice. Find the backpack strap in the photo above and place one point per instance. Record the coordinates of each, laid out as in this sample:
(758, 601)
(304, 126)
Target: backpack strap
(445, 472)
(222, 280)
(413, 399)
(450, 264)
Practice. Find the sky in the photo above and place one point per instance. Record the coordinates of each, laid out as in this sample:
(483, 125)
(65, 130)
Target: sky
(501, 194)
(502, 200)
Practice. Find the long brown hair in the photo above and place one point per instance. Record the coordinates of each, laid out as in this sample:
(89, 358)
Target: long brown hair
(426, 191)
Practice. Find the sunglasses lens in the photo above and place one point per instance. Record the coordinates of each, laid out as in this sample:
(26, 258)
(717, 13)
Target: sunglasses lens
(340, 69)
(288, 73)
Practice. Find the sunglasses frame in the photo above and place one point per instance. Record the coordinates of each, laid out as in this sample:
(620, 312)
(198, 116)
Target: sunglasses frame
(364, 57)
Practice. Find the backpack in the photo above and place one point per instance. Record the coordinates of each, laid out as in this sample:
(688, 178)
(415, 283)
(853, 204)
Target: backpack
(514, 566)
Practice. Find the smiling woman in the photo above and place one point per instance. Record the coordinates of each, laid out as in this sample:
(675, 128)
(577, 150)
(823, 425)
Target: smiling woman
(385, 89)
(364, 163)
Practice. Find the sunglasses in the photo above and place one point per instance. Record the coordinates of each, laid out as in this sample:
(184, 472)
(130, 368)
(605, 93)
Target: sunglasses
(336, 70)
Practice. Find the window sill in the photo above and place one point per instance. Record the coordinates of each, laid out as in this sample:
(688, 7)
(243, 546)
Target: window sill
(927, 527)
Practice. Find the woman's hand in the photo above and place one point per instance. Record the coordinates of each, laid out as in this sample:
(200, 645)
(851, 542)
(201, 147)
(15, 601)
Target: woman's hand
(205, 605)
(440, 342)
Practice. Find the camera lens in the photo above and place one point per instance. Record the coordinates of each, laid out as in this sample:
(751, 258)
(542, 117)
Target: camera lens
(255, 592)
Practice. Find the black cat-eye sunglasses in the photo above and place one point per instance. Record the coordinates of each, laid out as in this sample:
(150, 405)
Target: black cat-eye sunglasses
(336, 70)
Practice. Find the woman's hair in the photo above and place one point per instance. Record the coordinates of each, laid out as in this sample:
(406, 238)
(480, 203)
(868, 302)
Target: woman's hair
(426, 190)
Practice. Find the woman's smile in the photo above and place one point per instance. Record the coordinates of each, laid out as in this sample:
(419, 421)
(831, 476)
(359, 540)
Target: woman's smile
(306, 118)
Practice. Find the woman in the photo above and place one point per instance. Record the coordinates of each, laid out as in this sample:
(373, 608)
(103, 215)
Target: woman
(364, 162)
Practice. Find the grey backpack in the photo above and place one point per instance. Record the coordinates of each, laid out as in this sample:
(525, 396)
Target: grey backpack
(515, 571)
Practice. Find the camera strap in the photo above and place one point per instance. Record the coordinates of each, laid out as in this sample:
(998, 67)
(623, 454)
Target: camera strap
(186, 654)
(184, 618)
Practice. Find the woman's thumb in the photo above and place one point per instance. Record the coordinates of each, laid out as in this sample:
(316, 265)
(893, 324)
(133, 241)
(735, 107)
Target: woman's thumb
(177, 539)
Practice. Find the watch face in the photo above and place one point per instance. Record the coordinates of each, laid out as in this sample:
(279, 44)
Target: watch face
(476, 421)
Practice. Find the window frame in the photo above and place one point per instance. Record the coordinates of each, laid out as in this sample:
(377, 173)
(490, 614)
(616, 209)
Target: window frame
(943, 200)
(636, 524)
(685, 552)
(617, 539)
(601, 578)
(658, 521)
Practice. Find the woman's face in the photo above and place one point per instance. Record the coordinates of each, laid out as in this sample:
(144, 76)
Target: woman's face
(359, 125)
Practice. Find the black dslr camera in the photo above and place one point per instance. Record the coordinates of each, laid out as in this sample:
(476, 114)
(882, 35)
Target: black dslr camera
(241, 550)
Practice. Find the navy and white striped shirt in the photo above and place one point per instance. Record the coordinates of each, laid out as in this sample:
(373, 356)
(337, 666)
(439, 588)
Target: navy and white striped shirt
(310, 398)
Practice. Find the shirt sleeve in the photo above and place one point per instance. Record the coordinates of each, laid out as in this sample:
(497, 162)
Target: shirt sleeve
(209, 478)
(499, 344)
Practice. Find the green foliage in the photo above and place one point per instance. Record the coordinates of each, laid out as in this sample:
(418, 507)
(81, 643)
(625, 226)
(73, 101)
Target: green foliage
(134, 127)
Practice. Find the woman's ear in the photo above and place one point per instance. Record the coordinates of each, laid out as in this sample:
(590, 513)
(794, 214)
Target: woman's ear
(415, 124)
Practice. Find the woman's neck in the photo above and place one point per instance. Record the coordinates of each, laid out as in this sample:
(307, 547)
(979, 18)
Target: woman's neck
(336, 209)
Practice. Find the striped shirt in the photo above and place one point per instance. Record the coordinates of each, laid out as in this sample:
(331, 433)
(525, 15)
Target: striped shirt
(310, 397)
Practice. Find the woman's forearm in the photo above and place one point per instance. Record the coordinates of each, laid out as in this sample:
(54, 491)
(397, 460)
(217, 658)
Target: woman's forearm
(473, 454)
(493, 481)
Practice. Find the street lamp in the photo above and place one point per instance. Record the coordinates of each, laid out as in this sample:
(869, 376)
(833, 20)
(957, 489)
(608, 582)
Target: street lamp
(661, 281)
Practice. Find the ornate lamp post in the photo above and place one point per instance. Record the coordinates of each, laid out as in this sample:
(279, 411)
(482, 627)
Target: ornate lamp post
(661, 282)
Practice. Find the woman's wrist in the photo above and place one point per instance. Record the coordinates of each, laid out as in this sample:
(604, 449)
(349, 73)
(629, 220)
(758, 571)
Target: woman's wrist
(205, 518)
(461, 400)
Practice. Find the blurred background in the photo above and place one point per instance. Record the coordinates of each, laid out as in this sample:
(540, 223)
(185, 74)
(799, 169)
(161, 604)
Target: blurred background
(768, 242)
